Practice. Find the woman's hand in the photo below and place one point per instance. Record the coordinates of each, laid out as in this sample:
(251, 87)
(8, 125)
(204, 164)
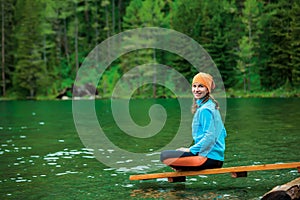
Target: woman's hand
(183, 149)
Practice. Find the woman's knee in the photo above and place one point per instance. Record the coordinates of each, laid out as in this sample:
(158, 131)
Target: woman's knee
(164, 155)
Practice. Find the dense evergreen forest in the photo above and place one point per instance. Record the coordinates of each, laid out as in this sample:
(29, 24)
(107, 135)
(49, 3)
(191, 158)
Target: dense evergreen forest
(254, 43)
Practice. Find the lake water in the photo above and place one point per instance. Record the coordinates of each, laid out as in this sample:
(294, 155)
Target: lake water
(42, 155)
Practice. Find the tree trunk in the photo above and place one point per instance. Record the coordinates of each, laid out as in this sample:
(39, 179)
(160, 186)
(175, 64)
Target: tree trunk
(113, 16)
(245, 83)
(66, 42)
(3, 50)
(107, 21)
(288, 191)
(86, 12)
(76, 39)
(44, 50)
(155, 75)
(119, 16)
(96, 29)
(58, 45)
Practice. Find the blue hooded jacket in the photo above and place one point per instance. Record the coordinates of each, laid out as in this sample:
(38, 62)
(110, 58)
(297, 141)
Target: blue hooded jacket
(208, 131)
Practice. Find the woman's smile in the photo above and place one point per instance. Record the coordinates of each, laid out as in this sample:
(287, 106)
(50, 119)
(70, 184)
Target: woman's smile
(199, 91)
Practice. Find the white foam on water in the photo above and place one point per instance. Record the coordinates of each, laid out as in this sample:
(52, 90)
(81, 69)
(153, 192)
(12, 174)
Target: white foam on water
(67, 157)
(21, 180)
(162, 179)
(65, 173)
(109, 169)
(87, 149)
(128, 185)
(90, 157)
(51, 158)
(52, 163)
(154, 153)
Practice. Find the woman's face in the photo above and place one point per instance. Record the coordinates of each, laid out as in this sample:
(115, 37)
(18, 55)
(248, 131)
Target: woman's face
(199, 91)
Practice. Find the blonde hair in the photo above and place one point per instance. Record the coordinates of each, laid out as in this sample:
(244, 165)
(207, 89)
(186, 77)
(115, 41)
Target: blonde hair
(205, 99)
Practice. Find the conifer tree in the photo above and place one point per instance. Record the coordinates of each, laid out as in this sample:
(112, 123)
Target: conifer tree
(249, 43)
(295, 43)
(30, 76)
(7, 44)
(146, 13)
(278, 71)
(218, 21)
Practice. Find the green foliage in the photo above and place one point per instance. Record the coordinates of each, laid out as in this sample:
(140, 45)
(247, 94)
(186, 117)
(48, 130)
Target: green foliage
(108, 81)
(29, 76)
(183, 12)
(248, 43)
(7, 45)
(146, 13)
(132, 17)
(211, 25)
(281, 45)
(254, 43)
(295, 43)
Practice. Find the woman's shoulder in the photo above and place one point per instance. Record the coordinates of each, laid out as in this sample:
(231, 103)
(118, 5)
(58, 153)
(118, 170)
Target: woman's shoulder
(209, 105)
(207, 108)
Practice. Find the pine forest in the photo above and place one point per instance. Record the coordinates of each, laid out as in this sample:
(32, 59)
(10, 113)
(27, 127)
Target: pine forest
(254, 43)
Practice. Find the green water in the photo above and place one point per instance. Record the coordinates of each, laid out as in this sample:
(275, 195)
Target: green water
(42, 156)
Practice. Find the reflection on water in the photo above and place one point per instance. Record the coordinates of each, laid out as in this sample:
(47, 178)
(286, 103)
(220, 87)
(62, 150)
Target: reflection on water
(42, 157)
(177, 194)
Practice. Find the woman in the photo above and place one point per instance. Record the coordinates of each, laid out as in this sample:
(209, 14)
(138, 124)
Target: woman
(208, 132)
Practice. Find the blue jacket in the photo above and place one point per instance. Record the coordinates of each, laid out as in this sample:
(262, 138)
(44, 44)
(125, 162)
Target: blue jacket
(208, 131)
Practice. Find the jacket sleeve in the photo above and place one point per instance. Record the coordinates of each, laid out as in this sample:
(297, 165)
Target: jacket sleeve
(208, 138)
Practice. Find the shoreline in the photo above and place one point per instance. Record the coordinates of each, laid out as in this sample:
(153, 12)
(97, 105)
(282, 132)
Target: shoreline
(229, 96)
(230, 93)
